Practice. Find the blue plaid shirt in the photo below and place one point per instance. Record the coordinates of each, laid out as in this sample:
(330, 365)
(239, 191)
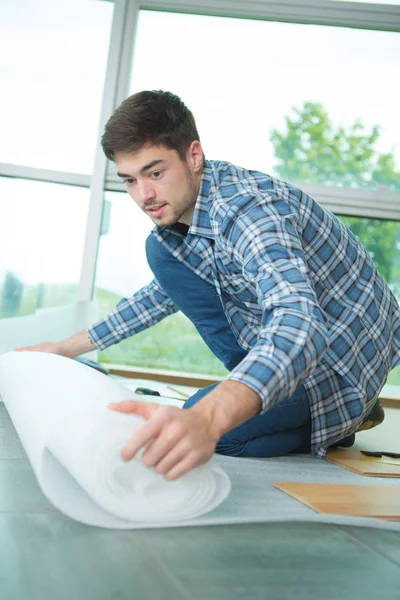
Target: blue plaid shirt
(300, 292)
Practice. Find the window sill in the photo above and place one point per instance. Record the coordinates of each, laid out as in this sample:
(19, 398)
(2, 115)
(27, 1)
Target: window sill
(177, 377)
(390, 395)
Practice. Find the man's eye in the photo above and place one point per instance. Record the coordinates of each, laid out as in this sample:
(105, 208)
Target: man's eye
(129, 181)
(156, 174)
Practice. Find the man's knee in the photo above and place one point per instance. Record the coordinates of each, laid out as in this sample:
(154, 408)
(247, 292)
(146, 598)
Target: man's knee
(232, 443)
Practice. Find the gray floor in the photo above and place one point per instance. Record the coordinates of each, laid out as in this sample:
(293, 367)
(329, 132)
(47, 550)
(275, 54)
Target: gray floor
(44, 555)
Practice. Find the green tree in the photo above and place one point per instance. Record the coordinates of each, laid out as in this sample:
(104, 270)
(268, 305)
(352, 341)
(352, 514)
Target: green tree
(385, 172)
(381, 239)
(311, 149)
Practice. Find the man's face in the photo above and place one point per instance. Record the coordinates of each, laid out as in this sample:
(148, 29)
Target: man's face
(161, 184)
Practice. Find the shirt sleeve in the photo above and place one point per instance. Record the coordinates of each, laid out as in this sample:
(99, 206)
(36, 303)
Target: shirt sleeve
(293, 335)
(145, 308)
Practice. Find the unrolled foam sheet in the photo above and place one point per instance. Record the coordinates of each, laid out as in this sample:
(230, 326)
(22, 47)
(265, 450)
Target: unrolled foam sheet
(59, 410)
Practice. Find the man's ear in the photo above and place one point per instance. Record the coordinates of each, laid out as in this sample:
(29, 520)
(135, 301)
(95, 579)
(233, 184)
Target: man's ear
(194, 156)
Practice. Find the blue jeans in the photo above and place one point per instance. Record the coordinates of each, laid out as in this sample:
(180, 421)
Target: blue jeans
(284, 428)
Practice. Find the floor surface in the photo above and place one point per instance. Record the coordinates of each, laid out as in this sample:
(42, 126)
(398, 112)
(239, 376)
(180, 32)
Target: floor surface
(45, 555)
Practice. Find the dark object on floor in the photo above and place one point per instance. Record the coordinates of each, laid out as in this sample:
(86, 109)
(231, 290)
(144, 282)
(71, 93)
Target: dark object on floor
(94, 365)
(146, 392)
(380, 454)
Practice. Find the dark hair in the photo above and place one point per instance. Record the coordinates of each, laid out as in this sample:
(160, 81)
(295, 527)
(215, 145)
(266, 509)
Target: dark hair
(150, 117)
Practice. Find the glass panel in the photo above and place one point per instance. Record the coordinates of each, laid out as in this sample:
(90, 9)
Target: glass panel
(394, 379)
(122, 269)
(382, 240)
(335, 85)
(42, 228)
(52, 66)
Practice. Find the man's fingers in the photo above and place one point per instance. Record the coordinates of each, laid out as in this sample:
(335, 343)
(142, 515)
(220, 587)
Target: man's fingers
(146, 432)
(174, 456)
(186, 464)
(172, 434)
(144, 409)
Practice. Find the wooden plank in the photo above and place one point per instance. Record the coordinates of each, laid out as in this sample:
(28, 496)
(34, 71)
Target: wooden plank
(381, 502)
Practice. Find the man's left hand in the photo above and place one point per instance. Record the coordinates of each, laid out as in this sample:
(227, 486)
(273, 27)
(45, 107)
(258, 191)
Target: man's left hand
(176, 440)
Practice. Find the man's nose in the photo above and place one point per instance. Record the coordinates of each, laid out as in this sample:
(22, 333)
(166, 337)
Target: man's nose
(146, 191)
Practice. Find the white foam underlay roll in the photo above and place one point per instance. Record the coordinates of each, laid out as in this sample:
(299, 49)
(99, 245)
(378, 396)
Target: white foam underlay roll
(59, 409)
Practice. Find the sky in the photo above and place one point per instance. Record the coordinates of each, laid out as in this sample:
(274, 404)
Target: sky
(240, 79)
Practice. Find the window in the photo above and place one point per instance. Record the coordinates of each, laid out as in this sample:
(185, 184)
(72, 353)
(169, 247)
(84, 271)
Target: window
(122, 267)
(42, 229)
(52, 67)
(382, 240)
(252, 85)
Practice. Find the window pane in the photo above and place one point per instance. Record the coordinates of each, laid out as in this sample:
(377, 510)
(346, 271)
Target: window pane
(394, 380)
(240, 92)
(382, 240)
(52, 66)
(122, 269)
(42, 228)
(121, 265)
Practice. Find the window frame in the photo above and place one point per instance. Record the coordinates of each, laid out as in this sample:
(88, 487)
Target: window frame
(364, 203)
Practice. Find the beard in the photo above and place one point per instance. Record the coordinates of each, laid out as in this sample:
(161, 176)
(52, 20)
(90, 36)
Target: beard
(184, 211)
(190, 198)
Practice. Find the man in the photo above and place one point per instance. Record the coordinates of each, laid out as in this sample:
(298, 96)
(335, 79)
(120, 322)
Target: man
(280, 290)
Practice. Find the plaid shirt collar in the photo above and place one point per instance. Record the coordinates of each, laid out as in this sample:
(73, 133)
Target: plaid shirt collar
(201, 224)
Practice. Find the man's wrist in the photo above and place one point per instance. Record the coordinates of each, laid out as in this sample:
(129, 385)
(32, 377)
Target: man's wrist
(76, 345)
(227, 406)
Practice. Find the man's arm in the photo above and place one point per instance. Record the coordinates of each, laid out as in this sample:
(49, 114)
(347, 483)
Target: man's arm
(145, 308)
(177, 440)
(77, 344)
(230, 404)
